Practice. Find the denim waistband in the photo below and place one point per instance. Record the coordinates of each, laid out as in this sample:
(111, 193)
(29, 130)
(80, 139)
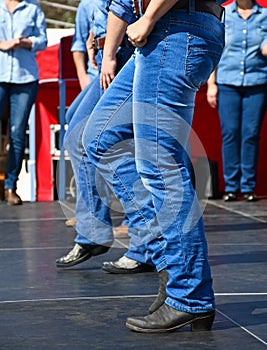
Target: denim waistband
(206, 6)
(201, 24)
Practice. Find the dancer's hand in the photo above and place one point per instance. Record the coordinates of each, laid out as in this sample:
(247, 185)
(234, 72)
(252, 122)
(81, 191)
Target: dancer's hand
(139, 31)
(212, 95)
(6, 45)
(108, 70)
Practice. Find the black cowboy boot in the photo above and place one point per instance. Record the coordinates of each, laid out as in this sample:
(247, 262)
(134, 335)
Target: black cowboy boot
(163, 279)
(168, 319)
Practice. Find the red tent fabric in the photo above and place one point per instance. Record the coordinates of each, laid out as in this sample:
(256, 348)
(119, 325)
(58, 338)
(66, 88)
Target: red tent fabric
(263, 3)
(51, 70)
(206, 121)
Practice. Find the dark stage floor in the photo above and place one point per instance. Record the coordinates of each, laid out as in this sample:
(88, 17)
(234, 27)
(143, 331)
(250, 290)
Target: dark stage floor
(45, 308)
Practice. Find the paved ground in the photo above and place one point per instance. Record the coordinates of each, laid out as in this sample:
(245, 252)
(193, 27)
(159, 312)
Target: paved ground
(42, 307)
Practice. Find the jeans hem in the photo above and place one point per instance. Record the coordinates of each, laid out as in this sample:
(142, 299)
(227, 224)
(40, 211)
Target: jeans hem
(180, 307)
(161, 266)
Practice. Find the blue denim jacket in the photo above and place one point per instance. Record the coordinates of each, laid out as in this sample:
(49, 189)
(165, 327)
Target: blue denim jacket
(19, 65)
(242, 63)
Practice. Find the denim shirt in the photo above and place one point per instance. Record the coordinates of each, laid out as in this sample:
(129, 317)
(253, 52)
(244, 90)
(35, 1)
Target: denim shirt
(124, 9)
(19, 65)
(91, 16)
(242, 63)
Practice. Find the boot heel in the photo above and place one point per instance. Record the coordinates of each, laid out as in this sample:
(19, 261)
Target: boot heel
(203, 324)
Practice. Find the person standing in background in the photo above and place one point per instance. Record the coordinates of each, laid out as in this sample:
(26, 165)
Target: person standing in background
(22, 34)
(239, 88)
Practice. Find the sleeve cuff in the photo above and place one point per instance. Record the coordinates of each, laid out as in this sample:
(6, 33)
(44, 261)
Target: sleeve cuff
(123, 12)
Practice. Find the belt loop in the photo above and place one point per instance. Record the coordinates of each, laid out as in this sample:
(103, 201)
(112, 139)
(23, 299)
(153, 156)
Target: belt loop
(191, 7)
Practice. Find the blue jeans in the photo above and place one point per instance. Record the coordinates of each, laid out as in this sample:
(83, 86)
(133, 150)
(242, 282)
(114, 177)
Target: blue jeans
(92, 229)
(20, 98)
(151, 102)
(83, 105)
(241, 111)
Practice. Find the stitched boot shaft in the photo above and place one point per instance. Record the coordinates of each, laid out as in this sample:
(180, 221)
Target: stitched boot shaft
(163, 279)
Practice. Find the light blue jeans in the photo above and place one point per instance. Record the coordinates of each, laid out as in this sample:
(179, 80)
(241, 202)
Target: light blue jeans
(93, 229)
(151, 102)
(241, 124)
(20, 98)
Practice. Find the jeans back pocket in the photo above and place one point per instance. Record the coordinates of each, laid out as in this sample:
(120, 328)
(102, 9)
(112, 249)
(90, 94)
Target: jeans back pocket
(201, 59)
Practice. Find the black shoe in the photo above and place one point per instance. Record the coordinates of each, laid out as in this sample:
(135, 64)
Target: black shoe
(250, 197)
(167, 319)
(126, 265)
(80, 253)
(230, 197)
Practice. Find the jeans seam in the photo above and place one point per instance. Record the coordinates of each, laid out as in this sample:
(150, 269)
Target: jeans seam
(91, 203)
(157, 158)
(109, 120)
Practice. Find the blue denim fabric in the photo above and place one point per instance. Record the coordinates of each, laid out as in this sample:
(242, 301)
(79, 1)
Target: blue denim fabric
(91, 16)
(124, 9)
(85, 226)
(242, 63)
(19, 65)
(89, 229)
(20, 98)
(151, 101)
(241, 124)
(93, 228)
(77, 101)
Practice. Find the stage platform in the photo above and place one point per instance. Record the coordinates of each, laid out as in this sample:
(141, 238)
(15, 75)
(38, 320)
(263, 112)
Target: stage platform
(46, 308)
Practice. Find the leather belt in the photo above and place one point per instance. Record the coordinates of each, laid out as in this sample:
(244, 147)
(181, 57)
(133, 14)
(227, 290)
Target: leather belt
(136, 9)
(207, 6)
(98, 43)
